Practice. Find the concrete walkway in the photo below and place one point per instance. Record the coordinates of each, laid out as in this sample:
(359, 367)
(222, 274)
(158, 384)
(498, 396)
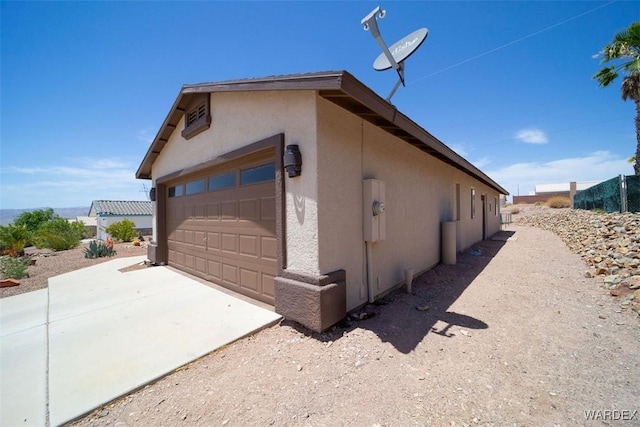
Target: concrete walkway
(96, 334)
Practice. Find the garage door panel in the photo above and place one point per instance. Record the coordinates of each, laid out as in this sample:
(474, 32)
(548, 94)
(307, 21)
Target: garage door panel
(268, 209)
(214, 270)
(200, 239)
(189, 212)
(267, 282)
(190, 261)
(229, 211)
(230, 273)
(189, 237)
(227, 236)
(200, 212)
(249, 280)
(269, 247)
(201, 265)
(229, 243)
(179, 258)
(213, 240)
(213, 212)
(248, 209)
(248, 245)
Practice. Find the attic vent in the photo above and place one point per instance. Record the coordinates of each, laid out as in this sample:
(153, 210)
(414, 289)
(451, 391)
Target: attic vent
(197, 118)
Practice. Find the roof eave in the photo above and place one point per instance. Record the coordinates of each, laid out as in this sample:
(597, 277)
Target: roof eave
(338, 87)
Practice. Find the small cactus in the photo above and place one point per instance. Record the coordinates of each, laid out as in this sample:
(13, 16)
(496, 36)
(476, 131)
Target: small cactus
(98, 250)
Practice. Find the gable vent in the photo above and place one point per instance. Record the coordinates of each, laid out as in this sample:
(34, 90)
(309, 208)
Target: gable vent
(197, 119)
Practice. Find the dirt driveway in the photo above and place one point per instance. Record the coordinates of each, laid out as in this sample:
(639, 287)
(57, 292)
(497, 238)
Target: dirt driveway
(514, 334)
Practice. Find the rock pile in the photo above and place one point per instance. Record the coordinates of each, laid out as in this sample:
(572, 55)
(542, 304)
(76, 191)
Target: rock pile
(608, 243)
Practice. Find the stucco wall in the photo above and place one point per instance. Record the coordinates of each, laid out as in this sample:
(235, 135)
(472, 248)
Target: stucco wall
(420, 194)
(241, 118)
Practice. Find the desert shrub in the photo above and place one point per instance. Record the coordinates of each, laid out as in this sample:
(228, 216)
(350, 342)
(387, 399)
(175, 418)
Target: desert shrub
(82, 229)
(123, 231)
(514, 210)
(557, 202)
(58, 235)
(34, 219)
(13, 239)
(14, 268)
(98, 250)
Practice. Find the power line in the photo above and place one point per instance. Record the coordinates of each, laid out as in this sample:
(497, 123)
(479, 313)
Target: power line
(473, 58)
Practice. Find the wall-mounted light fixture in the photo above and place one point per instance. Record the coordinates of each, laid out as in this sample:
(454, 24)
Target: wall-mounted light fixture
(293, 160)
(152, 194)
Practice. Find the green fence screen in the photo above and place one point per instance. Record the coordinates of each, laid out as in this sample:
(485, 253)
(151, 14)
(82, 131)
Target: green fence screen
(633, 193)
(608, 195)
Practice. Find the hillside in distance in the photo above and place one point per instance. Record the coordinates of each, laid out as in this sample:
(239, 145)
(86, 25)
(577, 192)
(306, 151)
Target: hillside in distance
(8, 215)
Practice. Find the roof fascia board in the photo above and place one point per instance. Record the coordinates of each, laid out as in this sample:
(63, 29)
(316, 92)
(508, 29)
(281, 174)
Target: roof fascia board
(373, 101)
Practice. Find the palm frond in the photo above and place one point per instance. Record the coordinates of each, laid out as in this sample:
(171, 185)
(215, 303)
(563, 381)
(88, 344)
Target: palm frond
(606, 76)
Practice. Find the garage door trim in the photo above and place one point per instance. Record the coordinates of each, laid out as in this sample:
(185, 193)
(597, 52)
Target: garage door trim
(275, 142)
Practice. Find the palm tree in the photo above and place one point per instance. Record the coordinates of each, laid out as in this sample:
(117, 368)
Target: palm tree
(626, 47)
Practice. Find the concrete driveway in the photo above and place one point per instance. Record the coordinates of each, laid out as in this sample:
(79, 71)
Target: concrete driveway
(96, 334)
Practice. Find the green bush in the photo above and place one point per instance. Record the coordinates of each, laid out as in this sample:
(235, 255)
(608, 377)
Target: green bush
(34, 219)
(14, 268)
(98, 250)
(58, 235)
(81, 229)
(123, 231)
(13, 239)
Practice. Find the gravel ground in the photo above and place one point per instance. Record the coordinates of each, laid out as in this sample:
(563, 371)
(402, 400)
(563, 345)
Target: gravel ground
(49, 264)
(514, 334)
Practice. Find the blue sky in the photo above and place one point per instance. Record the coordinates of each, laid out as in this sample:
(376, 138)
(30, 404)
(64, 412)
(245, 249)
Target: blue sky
(85, 86)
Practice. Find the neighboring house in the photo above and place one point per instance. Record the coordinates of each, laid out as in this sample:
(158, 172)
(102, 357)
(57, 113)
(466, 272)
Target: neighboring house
(91, 222)
(227, 210)
(543, 192)
(107, 212)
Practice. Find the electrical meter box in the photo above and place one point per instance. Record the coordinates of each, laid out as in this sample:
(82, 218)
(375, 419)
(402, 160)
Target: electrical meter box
(374, 210)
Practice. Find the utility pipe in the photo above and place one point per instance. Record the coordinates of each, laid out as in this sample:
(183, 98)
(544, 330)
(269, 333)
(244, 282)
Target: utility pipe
(369, 272)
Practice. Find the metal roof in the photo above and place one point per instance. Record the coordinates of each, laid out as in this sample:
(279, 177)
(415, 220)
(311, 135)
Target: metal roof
(121, 207)
(338, 87)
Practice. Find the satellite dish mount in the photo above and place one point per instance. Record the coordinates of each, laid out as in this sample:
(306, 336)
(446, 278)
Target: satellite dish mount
(394, 56)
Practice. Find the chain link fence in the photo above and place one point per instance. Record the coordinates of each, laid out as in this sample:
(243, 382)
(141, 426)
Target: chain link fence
(619, 194)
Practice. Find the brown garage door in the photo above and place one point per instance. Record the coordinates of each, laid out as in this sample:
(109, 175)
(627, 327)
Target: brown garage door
(221, 226)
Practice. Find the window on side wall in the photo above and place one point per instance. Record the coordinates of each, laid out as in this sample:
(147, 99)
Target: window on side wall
(197, 117)
(473, 203)
(495, 203)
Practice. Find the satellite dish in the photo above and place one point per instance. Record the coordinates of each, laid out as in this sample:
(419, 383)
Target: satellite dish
(402, 49)
(395, 56)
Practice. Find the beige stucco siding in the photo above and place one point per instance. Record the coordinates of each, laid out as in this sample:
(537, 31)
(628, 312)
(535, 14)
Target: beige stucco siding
(241, 118)
(340, 217)
(420, 194)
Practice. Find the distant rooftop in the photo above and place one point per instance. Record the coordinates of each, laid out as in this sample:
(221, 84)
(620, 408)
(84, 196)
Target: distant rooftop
(121, 207)
(564, 187)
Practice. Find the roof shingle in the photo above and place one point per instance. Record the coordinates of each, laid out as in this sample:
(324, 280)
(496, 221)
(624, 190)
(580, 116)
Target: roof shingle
(122, 207)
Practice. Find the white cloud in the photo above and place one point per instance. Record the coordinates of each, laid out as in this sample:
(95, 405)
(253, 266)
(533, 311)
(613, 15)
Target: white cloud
(70, 185)
(460, 149)
(146, 135)
(598, 166)
(482, 162)
(532, 136)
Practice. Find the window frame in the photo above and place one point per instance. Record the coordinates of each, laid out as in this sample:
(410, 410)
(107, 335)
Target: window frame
(270, 164)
